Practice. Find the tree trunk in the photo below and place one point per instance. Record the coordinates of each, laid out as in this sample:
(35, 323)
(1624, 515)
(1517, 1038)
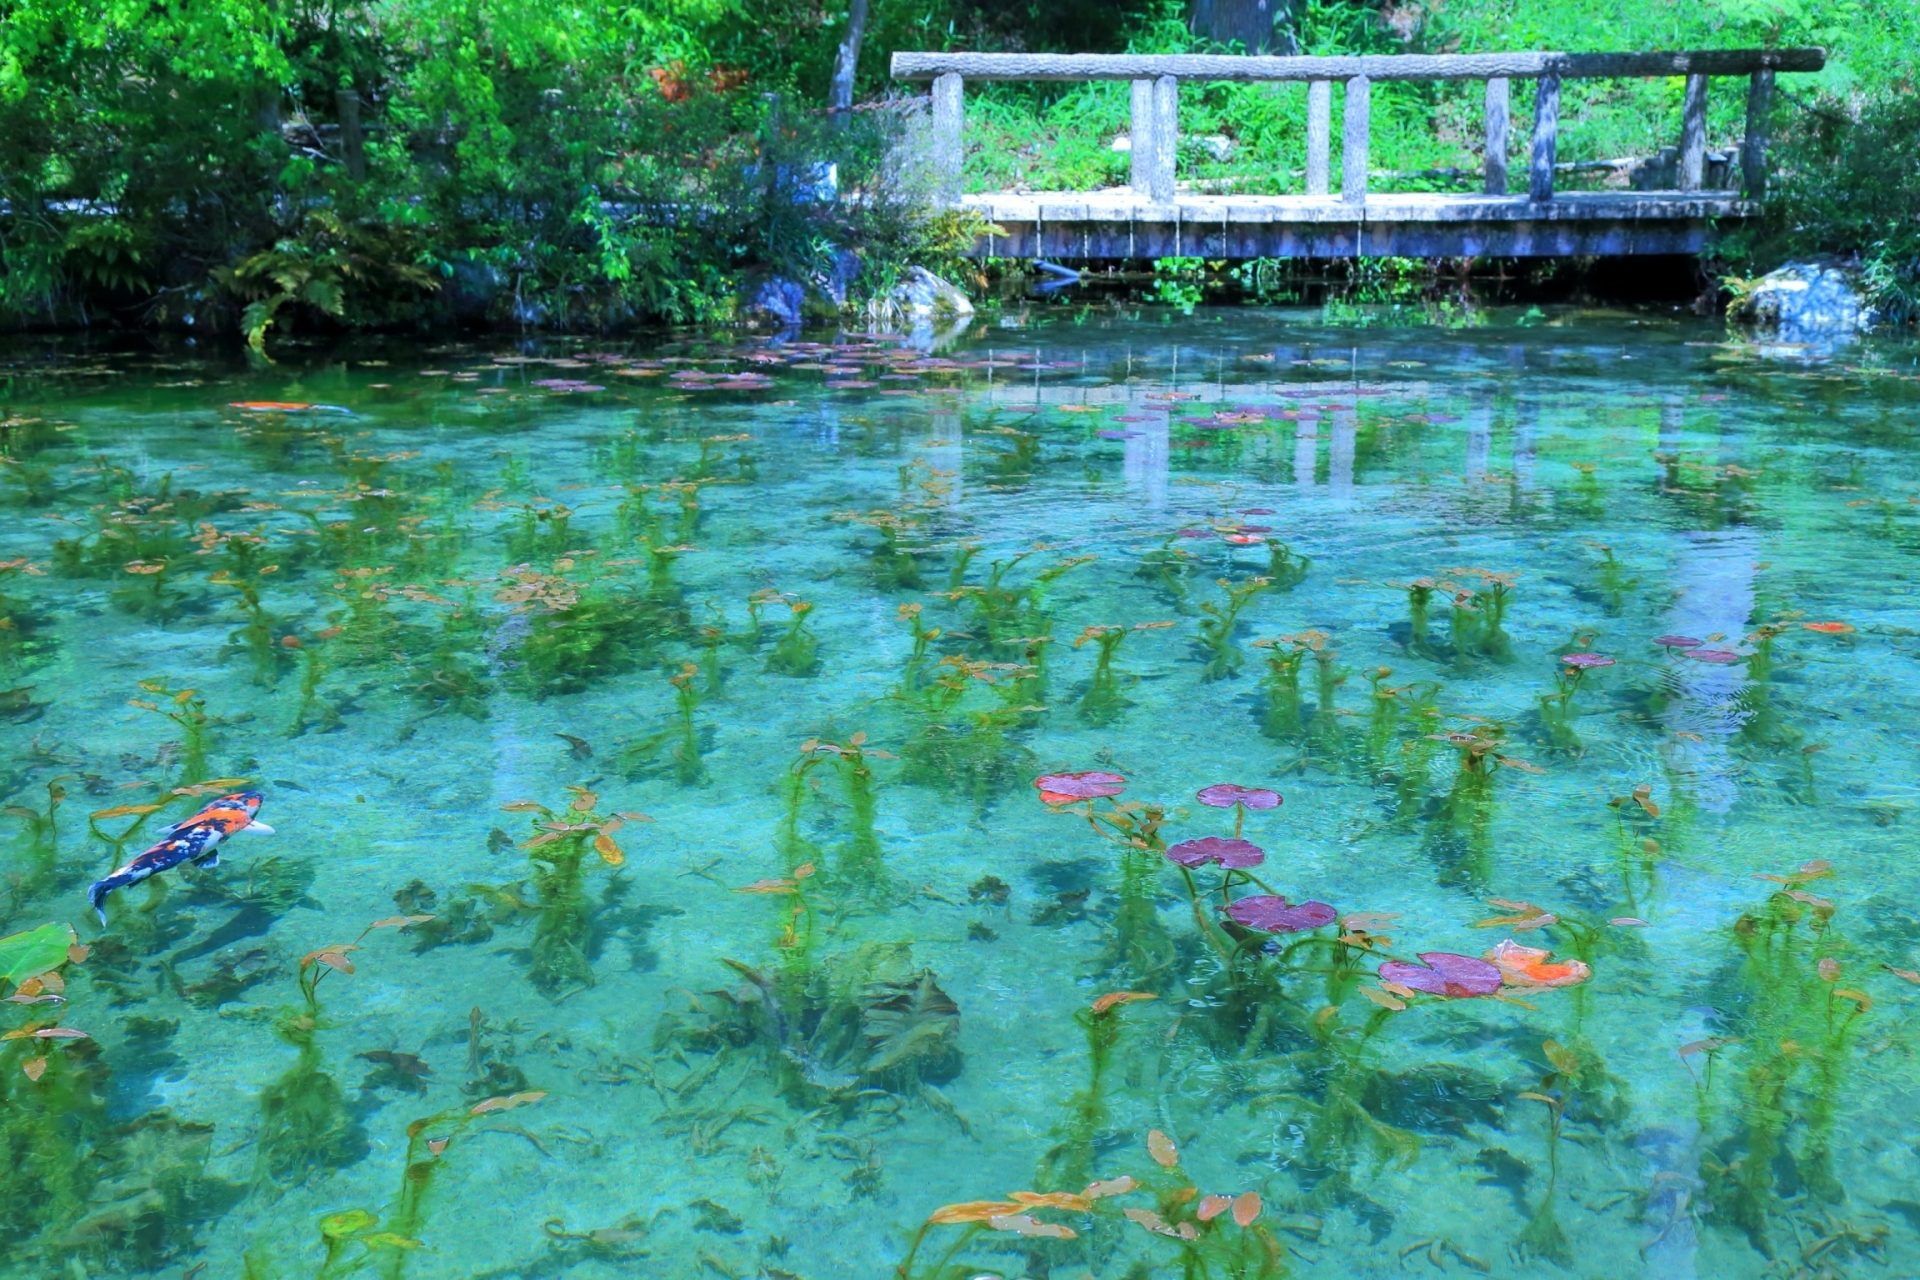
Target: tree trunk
(840, 95)
(1250, 23)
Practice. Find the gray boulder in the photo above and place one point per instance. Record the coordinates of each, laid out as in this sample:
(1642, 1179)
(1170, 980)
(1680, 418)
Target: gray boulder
(776, 299)
(1809, 302)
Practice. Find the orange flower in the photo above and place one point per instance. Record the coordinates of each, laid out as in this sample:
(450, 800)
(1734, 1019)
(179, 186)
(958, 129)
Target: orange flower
(1529, 967)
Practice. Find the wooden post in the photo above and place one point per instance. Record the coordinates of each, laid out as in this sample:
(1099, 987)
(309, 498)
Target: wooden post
(353, 142)
(1353, 140)
(1497, 140)
(1140, 139)
(1753, 150)
(1166, 138)
(1546, 137)
(949, 113)
(1693, 134)
(1319, 134)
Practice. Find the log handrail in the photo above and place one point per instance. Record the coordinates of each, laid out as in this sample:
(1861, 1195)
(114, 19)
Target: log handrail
(1156, 93)
(1386, 66)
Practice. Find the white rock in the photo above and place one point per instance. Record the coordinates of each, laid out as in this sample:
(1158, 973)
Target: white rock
(924, 294)
(1805, 302)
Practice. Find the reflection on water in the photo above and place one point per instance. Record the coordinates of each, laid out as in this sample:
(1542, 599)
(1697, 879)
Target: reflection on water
(660, 883)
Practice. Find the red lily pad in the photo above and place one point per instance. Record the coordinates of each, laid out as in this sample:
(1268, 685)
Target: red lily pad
(1224, 795)
(1229, 853)
(1443, 973)
(1269, 913)
(1065, 788)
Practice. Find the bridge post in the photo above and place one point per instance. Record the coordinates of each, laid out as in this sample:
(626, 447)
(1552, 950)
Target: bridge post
(1319, 134)
(949, 113)
(1140, 139)
(1693, 134)
(1753, 149)
(1354, 127)
(1166, 138)
(1546, 137)
(1497, 140)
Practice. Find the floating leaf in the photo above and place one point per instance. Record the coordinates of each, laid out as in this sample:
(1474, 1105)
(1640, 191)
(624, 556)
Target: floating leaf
(972, 1211)
(1158, 1225)
(1907, 975)
(523, 806)
(1161, 1148)
(1065, 788)
(1859, 998)
(1024, 1225)
(507, 1103)
(1269, 913)
(1247, 1206)
(1051, 1200)
(1111, 1187)
(437, 1145)
(1224, 795)
(1529, 967)
(388, 1240)
(1212, 1207)
(767, 886)
(127, 810)
(1712, 1044)
(339, 1226)
(60, 1033)
(398, 922)
(1228, 852)
(34, 1068)
(1382, 999)
(1113, 998)
(609, 851)
(1628, 922)
(1443, 973)
(802, 871)
(1368, 921)
(1829, 969)
(30, 954)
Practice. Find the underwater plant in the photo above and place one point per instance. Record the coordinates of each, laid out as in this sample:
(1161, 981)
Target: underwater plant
(1459, 833)
(1285, 569)
(576, 626)
(306, 1124)
(385, 1245)
(858, 861)
(560, 955)
(797, 651)
(1793, 1044)
(896, 566)
(88, 1188)
(20, 622)
(1069, 1162)
(1222, 621)
(1102, 702)
(187, 710)
(1557, 710)
(1611, 581)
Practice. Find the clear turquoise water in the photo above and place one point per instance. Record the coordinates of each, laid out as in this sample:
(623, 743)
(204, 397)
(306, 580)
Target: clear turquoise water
(1723, 1107)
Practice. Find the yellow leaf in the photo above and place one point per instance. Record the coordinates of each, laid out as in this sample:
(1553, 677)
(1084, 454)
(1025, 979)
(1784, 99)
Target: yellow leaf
(34, 1068)
(1113, 998)
(767, 886)
(1111, 1187)
(127, 810)
(1860, 998)
(388, 1240)
(523, 806)
(971, 1211)
(1246, 1207)
(1024, 1225)
(1382, 999)
(398, 922)
(1212, 1207)
(609, 851)
(1906, 975)
(1051, 1200)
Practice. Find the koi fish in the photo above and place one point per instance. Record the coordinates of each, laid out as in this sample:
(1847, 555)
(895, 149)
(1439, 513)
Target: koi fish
(286, 406)
(197, 840)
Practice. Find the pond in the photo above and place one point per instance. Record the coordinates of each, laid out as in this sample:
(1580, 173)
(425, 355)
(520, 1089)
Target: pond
(1129, 795)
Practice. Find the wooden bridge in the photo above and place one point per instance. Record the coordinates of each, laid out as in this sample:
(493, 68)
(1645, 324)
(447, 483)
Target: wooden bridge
(1152, 217)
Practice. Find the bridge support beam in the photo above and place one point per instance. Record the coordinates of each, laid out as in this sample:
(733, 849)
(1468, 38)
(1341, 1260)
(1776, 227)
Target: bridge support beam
(1753, 149)
(1166, 139)
(1693, 134)
(949, 117)
(1355, 124)
(1140, 138)
(1546, 138)
(1319, 134)
(1495, 170)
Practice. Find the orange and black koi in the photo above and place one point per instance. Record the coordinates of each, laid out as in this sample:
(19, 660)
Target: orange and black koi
(197, 840)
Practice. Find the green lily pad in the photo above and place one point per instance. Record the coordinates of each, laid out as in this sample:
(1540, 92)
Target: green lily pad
(37, 951)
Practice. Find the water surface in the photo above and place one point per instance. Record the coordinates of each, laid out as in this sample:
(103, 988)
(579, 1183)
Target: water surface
(845, 972)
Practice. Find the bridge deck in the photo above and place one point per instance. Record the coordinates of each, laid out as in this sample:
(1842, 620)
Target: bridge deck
(1120, 223)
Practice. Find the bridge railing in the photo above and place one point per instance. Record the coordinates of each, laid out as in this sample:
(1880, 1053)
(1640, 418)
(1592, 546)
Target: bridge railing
(1156, 80)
